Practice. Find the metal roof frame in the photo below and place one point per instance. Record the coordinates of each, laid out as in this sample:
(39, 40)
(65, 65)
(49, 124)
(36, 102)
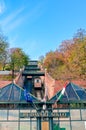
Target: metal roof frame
(73, 94)
(12, 93)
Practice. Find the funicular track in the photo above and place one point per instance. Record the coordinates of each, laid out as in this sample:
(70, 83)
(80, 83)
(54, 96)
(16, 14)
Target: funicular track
(34, 79)
(39, 93)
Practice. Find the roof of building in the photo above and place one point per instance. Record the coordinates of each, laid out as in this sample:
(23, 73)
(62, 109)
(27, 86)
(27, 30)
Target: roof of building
(73, 94)
(33, 73)
(4, 83)
(13, 93)
(60, 83)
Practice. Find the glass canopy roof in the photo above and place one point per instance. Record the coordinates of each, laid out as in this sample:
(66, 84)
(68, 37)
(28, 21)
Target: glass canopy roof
(72, 94)
(13, 93)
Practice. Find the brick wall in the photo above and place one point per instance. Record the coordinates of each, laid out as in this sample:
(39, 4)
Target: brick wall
(49, 84)
(19, 80)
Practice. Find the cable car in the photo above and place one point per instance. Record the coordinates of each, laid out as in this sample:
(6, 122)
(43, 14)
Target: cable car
(37, 83)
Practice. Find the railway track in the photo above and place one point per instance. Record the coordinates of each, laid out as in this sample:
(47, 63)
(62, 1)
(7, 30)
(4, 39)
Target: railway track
(39, 94)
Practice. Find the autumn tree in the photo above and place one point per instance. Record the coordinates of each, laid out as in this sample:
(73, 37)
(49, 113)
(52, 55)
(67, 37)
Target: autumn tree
(3, 50)
(18, 58)
(79, 51)
(69, 61)
(54, 64)
(80, 34)
(66, 48)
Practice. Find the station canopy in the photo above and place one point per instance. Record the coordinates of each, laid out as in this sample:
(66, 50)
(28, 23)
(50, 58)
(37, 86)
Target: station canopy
(14, 94)
(72, 94)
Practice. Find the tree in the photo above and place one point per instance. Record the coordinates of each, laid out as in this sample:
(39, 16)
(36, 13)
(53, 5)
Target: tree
(69, 61)
(80, 34)
(18, 58)
(78, 58)
(3, 50)
(54, 64)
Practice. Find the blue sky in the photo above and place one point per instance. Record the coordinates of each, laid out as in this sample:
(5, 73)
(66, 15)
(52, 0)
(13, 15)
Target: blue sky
(38, 26)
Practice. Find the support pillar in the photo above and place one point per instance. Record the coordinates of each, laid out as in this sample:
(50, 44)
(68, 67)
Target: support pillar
(50, 121)
(38, 123)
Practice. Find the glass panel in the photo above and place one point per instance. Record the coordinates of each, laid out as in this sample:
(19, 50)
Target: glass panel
(71, 93)
(13, 115)
(34, 124)
(28, 126)
(8, 125)
(65, 126)
(81, 94)
(3, 114)
(78, 125)
(76, 87)
(64, 98)
(75, 114)
(83, 111)
(24, 126)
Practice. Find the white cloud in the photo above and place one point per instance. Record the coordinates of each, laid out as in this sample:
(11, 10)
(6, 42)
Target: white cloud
(17, 17)
(14, 24)
(12, 20)
(2, 6)
(11, 17)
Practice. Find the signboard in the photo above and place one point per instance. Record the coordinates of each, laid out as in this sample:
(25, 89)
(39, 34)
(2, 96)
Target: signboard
(45, 114)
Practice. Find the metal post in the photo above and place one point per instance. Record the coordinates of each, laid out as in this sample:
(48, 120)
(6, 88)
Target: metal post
(50, 122)
(70, 118)
(38, 123)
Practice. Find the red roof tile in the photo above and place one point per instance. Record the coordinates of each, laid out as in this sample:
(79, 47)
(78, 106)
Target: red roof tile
(59, 84)
(4, 83)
